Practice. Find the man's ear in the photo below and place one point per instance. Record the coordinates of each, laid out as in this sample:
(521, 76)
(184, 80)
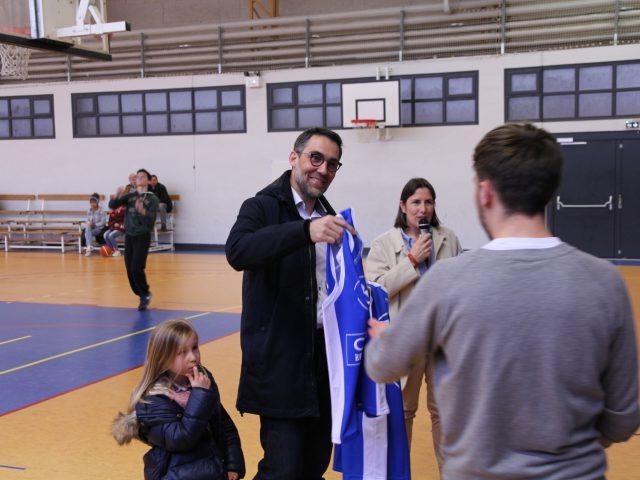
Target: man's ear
(486, 193)
(293, 157)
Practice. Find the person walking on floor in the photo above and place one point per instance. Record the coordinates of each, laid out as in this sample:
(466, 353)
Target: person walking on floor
(139, 219)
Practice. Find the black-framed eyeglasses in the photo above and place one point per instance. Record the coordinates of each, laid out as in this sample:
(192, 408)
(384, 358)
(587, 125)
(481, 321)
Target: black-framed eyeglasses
(317, 159)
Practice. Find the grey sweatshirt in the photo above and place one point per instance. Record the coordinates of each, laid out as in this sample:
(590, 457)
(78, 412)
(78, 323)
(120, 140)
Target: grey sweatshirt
(535, 361)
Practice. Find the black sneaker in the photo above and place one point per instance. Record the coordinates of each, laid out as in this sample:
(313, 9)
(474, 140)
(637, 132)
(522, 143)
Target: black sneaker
(145, 300)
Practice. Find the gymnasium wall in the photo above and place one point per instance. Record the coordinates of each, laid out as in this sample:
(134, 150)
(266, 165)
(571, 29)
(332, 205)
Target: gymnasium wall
(215, 173)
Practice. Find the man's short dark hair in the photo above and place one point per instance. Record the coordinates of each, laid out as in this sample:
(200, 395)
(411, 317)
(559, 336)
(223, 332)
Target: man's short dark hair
(524, 164)
(145, 171)
(304, 137)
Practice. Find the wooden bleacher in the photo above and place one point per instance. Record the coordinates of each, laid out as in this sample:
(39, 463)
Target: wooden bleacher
(54, 221)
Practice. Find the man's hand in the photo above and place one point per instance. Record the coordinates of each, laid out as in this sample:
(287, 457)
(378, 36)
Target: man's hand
(328, 229)
(376, 327)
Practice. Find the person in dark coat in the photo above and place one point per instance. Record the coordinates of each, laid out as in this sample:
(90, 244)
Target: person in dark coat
(166, 204)
(176, 409)
(280, 240)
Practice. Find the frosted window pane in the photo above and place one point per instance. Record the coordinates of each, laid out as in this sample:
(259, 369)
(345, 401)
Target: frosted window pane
(596, 78)
(310, 94)
(628, 103)
(559, 80)
(406, 114)
(4, 129)
(310, 117)
(595, 105)
(430, 87)
(157, 124)
(180, 101)
(231, 98)
(429, 112)
(232, 121)
(558, 106)
(43, 127)
(628, 75)
(282, 96)
(41, 107)
(334, 117)
(20, 107)
(334, 92)
(206, 99)
(460, 86)
(283, 118)
(155, 102)
(461, 111)
(206, 122)
(84, 105)
(182, 123)
(4, 108)
(132, 124)
(524, 108)
(108, 104)
(131, 102)
(21, 128)
(87, 126)
(109, 125)
(524, 82)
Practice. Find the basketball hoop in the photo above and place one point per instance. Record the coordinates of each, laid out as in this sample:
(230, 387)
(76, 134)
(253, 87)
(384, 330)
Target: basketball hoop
(369, 129)
(14, 61)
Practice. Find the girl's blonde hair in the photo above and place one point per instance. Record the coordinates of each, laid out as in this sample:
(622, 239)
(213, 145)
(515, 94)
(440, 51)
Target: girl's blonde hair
(164, 343)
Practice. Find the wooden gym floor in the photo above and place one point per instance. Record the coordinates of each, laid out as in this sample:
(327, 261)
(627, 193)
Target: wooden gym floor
(72, 342)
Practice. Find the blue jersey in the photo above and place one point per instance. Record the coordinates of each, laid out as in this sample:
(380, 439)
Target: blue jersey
(368, 419)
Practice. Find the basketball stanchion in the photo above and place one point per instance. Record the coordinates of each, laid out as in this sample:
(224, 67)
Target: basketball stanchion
(14, 61)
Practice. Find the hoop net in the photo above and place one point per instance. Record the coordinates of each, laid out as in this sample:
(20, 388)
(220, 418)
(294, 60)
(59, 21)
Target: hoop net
(369, 129)
(14, 61)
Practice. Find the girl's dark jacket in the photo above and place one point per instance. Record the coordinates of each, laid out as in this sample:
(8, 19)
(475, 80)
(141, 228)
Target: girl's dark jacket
(199, 441)
(270, 242)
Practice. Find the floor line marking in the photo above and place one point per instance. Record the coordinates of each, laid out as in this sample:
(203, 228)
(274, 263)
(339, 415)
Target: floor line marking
(15, 339)
(12, 467)
(71, 352)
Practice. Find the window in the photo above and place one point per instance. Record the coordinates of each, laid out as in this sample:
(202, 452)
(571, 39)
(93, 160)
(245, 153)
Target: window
(26, 117)
(296, 106)
(570, 92)
(442, 99)
(160, 112)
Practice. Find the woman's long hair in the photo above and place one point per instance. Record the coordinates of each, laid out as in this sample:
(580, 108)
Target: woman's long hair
(408, 190)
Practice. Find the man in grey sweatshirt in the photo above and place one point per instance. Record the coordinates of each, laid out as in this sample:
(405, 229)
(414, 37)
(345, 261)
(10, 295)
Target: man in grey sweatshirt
(532, 340)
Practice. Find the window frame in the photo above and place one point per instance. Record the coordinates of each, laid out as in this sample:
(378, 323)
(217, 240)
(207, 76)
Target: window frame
(577, 92)
(31, 117)
(147, 113)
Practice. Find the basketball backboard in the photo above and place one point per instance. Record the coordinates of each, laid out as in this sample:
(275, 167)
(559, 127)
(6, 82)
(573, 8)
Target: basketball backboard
(65, 26)
(379, 100)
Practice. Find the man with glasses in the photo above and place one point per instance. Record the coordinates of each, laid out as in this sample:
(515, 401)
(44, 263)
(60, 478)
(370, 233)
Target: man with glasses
(279, 241)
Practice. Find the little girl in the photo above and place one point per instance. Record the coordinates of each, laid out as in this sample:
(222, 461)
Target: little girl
(176, 409)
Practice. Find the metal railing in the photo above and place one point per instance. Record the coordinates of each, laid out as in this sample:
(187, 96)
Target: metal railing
(469, 28)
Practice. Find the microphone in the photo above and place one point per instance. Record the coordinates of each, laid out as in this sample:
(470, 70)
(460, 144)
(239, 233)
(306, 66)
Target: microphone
(424, 226)
(425, 229)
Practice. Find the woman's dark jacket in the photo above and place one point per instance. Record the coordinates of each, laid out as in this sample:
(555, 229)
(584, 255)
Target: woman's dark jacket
(199, 441)
(270, 242)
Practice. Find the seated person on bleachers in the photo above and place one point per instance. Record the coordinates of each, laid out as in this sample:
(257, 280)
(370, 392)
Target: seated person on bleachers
(116, 229)
(96, 223)
(131, 186)
(166, 205)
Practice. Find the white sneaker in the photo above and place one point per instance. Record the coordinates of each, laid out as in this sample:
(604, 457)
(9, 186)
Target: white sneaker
(88, 252)
(116, 253)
